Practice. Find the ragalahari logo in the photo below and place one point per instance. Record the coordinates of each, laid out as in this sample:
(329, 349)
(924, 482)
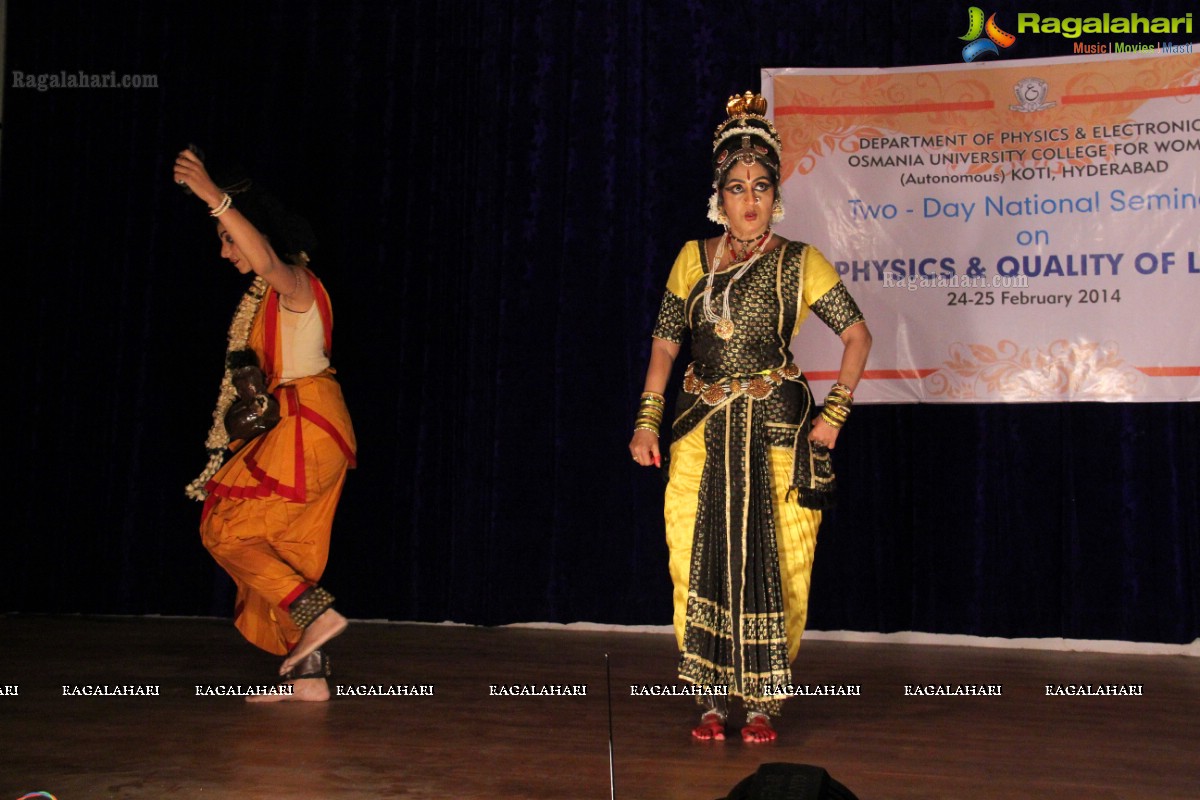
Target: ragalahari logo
(976, 28)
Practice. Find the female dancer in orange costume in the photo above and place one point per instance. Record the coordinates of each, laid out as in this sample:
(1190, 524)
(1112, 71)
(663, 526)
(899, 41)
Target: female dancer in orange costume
(269, 508)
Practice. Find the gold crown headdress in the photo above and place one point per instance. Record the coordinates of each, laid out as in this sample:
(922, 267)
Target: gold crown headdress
(755, 138)
(748, 104)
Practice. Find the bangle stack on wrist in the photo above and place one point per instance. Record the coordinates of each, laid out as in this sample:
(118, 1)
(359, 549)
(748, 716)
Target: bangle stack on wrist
(837, 405)
(222, 207)
(650, 413)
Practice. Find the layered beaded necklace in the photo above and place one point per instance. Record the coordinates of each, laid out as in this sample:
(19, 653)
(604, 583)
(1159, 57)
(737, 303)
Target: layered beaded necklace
(753, 249)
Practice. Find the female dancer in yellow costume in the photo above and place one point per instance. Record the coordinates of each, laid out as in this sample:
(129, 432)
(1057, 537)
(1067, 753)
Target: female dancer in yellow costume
(749, 469)
(268, 510)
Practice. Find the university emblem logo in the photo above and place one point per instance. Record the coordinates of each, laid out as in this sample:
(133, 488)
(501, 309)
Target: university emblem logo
(1031, 95)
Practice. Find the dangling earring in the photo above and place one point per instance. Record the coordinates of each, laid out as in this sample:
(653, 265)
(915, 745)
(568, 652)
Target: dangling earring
(777, 211)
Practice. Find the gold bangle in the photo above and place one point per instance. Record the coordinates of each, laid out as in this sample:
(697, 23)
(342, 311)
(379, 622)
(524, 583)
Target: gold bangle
(829, 414)
(835, 423)
(838, 402)
(651, 406)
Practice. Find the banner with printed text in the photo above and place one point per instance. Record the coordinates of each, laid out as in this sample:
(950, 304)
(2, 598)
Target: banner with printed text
(1017, 231)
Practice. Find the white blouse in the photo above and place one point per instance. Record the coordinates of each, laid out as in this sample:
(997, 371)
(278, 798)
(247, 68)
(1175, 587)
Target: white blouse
(303, 343)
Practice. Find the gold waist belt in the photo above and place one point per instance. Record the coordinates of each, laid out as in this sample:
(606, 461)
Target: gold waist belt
(758, 386)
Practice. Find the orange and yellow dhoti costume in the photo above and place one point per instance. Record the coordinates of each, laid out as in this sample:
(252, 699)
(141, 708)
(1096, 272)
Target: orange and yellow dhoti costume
(270, 509)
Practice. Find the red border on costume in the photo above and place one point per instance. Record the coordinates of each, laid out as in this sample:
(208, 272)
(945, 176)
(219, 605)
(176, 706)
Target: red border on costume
(300, 589)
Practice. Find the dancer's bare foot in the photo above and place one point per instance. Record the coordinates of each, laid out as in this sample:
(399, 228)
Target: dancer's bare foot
(711, 727)
(322, 629)
(304, 690)
(758, 729)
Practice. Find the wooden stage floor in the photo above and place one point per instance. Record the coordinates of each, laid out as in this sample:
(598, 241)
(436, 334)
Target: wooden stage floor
(465, 742)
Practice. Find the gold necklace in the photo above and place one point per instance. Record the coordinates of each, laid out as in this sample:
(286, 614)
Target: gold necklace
(723, 324)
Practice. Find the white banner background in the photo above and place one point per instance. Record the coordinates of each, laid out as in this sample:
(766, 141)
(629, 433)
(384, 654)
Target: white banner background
(1014, 231)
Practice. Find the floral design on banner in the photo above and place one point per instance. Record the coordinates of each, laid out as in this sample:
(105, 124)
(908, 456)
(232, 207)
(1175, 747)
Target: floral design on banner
(1012, 372)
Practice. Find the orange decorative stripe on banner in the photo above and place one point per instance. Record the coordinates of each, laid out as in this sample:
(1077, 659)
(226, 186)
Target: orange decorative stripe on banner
(1137, 94)
(875, 374)
(1170, 372)
(910, 108)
